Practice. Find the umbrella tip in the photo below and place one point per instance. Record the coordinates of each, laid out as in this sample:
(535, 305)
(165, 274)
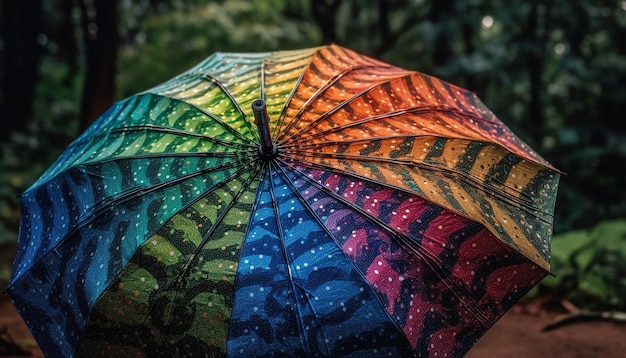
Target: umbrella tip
(258, 106)
(268, 149)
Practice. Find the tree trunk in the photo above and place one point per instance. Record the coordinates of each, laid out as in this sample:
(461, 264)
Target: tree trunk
(21, 24)
(65, 38)
(325, 14)
(99, 22)
(440, 13)
(467, 32)
(535, 57)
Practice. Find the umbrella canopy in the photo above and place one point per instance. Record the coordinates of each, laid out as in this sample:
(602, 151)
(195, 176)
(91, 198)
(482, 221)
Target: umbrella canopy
(314, 202)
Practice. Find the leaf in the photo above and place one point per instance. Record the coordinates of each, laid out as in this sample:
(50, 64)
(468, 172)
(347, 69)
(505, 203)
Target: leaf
(590, 265)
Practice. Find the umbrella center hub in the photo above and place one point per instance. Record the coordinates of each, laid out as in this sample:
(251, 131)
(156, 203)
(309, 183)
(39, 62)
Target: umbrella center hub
(268, 153)
(268, 149)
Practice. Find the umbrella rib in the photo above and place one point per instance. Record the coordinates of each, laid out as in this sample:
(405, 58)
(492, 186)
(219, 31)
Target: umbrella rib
(292, 281)
(166, 155)
(170, 155)
(347, 101)
(328, 232)
(170, 130)
(179, 279)
(105, 205)
(160, 155)
(281, 118)
(218, 220)
(145, 190)
(250, 152)
(413, 110)
(335, 196)
(329, 85)
(325, 87)
(490, 222)
(432, 261)
(316, 145)
(504, 198)
(528, 205)
(262, 70)
(207, 113)
(343, 172)
(306, 144)
(233, 101)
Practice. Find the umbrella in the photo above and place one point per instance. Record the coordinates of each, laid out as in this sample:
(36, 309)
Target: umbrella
(311, 202)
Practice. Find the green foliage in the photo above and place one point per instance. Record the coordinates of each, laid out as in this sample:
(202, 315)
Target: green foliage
(166, 44)
(590, 267)
(25, 156)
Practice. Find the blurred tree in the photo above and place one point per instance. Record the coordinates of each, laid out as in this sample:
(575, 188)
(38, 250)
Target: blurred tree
(59, 28)
(533, 37)
(441, 14)
(197, 29)
(21, 23)
(99, 23)
(325, 14)
(390, 27)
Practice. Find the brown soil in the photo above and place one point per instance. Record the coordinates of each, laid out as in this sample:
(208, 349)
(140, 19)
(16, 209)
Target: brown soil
(520, 333)
(517, 334)
(15, 338)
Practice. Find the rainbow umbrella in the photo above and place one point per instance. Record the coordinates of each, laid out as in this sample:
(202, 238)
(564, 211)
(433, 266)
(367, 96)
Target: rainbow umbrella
(298, 203)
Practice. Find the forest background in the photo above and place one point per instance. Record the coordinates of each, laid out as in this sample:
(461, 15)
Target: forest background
(554, 71)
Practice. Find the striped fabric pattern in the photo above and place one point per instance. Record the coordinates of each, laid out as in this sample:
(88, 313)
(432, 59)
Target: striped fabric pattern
(399, 217)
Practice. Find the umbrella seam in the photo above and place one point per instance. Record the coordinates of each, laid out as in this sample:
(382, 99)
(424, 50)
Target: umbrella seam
(374, 220)
(209, 114)
(170, 130)
(315, 145)
(524, 198)
(541, 263)
(106, 206)
(293, 282)
(430, 168)
(179, 279)
(330, 234)
(328, 85)
(232, 99)
(426, 256)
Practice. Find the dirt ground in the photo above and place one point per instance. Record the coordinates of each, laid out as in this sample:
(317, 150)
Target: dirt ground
(517, 334)
(520, 334)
